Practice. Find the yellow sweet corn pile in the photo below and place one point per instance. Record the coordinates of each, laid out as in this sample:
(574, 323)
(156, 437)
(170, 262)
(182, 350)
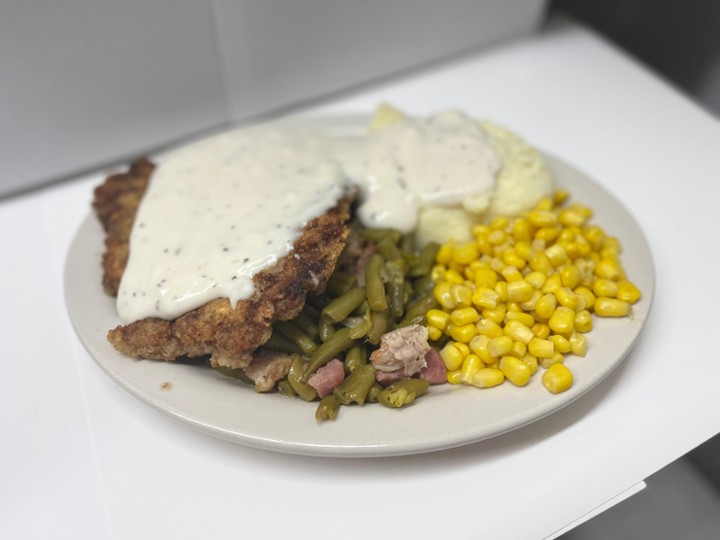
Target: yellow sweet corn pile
(520, 296)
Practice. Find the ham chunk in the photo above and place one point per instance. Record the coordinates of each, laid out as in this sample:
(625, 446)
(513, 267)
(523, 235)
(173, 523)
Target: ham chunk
(268, 367)
(434, 372)
(325, 379)
(402, 349)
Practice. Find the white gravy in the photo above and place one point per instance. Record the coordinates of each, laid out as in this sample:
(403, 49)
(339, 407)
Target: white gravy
(222, 209)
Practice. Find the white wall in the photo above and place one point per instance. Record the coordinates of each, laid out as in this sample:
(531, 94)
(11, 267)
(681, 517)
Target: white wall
(84, 83)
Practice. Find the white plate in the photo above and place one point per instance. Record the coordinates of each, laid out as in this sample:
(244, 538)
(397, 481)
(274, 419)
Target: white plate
(450, 416)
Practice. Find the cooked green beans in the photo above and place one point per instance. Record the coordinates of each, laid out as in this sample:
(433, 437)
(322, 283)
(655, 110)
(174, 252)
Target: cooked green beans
(338, 342)
(281, 344)
(374, 285)
(295, 377)
(355, 387)
(307, 324)
(238, 374)
(355, 357)
(403, 392)
(342, 307)
(340, 283)
(296, 335)
(380, 325)
(327, 409)
(425, 261)
(416, 312)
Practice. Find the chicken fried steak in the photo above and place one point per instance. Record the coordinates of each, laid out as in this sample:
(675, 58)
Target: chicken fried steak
(228, 335)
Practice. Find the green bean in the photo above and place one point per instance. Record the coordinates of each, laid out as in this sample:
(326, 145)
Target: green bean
(426, 259)
(403, 392)
(296, 335)
(395, 286)
(387, 248)
(380, 324)
(355, 357)
(280, 343)
(424, 284)
(340, 283)
(376, 235)
(355, 387)
(374, 284)
(319, 301)
(285, 388)
(338, 342)
(238, 374)
(325, 329)
(361, 329)
(307, 324)
(417, 311)
(407, 243)
(341, 307)
(374, 393)
(327, 409)
(298, 382)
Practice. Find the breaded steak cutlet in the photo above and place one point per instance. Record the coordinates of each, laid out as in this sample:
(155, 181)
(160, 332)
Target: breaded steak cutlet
(228, 335)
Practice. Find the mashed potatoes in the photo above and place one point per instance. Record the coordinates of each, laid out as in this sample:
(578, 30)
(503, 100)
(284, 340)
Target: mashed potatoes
(522, 180)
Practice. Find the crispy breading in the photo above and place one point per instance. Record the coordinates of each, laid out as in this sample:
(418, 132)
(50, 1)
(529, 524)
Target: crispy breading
(229, 335)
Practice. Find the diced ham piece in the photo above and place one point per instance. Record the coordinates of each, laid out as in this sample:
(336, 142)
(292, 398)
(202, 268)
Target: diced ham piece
(325, 379)
(388, 377)
(434, 372)
(268, 367)
(402, 348)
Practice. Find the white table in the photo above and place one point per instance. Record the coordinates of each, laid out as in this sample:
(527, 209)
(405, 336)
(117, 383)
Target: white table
(81, 458)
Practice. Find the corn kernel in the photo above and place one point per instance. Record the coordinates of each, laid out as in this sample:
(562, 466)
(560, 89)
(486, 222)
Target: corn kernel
(438, 318)
(562, 345)
(557, 255)
(453, 276)
(438, 272)
(455, 376)
(605, 287)
(542, 218)
(532, 363)
(540, 330)
(485, 277)
(499, 346)
(530, 304)
(628, 292)
(611, 307)
(569, 217)
(487, 377)
(499, 223)
(566, 298)
(587, 294)
(478, 346)
(547, 234)
(545, 306)
(557, 378)
(463, 316)
(465, 253)
(511, 274)
(560, 196)
(562, 320)
(497, 237)
(520, 316)
(556, 358)
(536, 279)
(523, 250)
(510, 257)
(595, 236)
(553, 283)
(519, 349)
(496, 314)
(489, 328)
(520, 291)
(519, 332)
(608, 269)
(471, 364)
(541, 263)
(462, 295)
(515, 370)
(521, 230)
(463, 348)
(578, 344)
(501, 287)
(541, 348)
(443, 295)
(546, 203)
(434, 333)
(444, 254)
(570, 276)
(463, 333)
(452, 357)
(583, 321)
